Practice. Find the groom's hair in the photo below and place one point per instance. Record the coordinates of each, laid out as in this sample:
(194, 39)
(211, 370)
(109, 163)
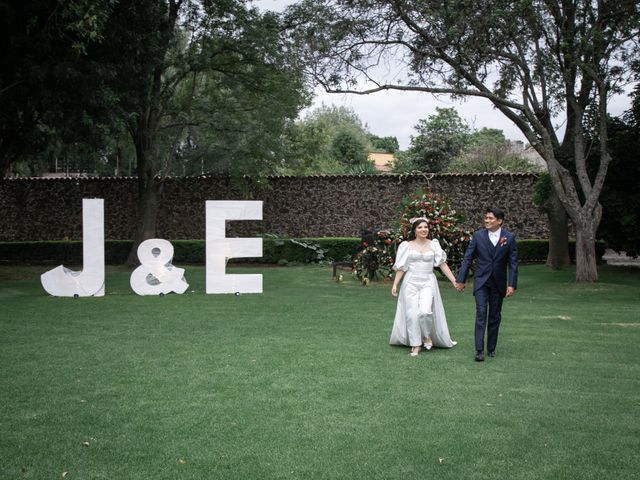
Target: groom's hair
(499, 214)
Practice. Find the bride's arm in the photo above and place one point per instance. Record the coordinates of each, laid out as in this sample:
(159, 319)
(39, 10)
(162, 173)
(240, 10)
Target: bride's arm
(396, 282)
(444, 268)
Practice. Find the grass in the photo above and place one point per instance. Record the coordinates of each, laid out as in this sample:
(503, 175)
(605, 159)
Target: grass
(299, 382)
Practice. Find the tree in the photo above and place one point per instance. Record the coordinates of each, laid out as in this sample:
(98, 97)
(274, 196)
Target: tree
(44, 96)
(488, 150)
(441, 138)
(532, 59)
(546, 199)
(384, 144)
(347, 148)
(191, 81)
(310, 140)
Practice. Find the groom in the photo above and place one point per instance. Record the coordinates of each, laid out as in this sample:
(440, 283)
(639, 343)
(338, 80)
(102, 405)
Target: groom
(495, 250)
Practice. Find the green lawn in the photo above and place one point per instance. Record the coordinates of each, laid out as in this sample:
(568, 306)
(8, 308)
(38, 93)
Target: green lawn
(299, 382)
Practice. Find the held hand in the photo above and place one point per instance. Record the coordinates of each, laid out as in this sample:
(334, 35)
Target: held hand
(510, 291)
(460, 287)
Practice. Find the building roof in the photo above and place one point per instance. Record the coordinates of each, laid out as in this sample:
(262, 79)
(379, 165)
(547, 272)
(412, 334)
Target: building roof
(382, 160)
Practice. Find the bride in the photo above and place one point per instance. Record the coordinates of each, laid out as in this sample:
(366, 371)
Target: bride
(420, 318)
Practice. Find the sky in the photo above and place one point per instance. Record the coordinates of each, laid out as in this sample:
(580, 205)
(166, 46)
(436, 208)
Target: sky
(395, 113)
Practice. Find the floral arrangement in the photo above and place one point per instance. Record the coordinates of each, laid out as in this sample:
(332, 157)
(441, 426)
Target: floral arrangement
(375, 260)
(444, 223)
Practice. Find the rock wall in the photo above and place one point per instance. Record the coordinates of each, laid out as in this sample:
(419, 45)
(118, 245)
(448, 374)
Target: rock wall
(314, 206)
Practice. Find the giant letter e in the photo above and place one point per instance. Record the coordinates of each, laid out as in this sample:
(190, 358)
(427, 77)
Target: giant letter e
(219, 248)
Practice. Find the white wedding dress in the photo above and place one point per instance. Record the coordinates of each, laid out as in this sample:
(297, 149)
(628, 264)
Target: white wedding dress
(420, 312)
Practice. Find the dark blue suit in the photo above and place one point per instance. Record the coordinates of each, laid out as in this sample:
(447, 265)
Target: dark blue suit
(490, 281)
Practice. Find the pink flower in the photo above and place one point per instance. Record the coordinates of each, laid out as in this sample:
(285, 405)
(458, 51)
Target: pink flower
(503, 241)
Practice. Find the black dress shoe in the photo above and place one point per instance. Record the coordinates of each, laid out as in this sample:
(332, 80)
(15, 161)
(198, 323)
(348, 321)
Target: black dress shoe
(479, 357)
(492, 354)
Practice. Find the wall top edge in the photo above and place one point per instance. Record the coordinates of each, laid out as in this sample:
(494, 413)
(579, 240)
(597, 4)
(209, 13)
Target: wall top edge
(386, 175)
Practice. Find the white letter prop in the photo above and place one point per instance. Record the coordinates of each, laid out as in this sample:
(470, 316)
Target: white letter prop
(62, 282)
(219, 248)
(156, 275)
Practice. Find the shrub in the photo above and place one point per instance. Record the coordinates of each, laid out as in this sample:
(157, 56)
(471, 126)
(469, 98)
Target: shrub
(69, 252)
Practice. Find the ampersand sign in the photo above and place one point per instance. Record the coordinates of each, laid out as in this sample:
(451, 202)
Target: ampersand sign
(156, 275)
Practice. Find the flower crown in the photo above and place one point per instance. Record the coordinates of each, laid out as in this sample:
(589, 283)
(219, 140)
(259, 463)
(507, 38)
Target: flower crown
(415, 219)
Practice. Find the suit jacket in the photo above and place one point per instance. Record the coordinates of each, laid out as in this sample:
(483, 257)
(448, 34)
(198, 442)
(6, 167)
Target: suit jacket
(491, 261)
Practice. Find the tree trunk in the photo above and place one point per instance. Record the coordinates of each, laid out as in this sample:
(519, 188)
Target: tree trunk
(586, 261)
(558, 255)
(147, 211)
(149, 190)
(7, 158)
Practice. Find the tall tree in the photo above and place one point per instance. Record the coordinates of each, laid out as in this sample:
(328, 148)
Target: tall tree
(533, 60)
(193, 80)
(441, 138)
(42, 89)
(309, 141)
(347, 148)
(547, 200)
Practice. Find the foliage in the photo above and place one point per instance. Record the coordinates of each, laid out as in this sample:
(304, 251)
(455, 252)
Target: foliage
(441, 138)
(489, 151)
(384, 144)
(404, 163)
(365, 168)
(231, 111)
(313, 251)
(542, 191)
(309, 142)
(620, 226)
(446, 143)
(348, 149)
(45, 93)
(186, 86)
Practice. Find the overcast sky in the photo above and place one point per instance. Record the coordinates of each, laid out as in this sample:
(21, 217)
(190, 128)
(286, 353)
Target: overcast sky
(395, 113)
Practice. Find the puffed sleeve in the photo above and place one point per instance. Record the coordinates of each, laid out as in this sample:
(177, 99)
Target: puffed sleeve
(440, 256)
(401, 257)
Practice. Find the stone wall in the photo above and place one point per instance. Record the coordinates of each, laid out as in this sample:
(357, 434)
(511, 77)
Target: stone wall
(315, 206)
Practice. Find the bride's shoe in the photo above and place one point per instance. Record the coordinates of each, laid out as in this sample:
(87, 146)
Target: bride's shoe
(428, 344)
(414, 352)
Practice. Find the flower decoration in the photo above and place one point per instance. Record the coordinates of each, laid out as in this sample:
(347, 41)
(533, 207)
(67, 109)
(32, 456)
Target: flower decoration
(444, 223)
(503, 241)
(375, 260)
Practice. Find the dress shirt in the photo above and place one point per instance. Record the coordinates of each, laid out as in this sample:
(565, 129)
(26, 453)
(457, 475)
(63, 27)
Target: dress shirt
(494, 236)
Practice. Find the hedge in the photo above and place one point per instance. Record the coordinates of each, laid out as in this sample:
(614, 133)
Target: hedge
(275, 251)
